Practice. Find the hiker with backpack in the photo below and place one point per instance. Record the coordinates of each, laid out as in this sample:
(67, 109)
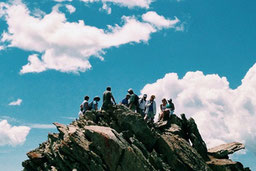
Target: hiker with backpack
(85, 105)
(94, 104)
(142, 103)
(133, 103)
(108, 99)
(150, 109)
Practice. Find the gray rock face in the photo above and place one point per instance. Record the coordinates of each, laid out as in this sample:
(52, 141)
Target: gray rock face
(120, 140)
(222, 151)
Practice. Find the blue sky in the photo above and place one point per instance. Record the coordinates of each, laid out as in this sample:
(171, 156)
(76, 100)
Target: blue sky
(164, 47)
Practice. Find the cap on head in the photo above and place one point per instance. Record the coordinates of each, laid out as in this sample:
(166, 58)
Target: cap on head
(97, 98)
(144, 95)
(170, 100)
(108, 88)
(86, 97)
(130, 90)
(128, 95)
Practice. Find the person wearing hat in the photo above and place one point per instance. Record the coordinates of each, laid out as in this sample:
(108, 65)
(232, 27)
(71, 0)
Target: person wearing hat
(150, 109)
(133, 103)
(85, 105)
(94, 103)
(170, 106)
(142, 103)
(126, 100)
(107, 99)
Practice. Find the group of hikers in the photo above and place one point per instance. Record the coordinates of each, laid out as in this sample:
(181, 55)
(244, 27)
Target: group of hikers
(147, 108)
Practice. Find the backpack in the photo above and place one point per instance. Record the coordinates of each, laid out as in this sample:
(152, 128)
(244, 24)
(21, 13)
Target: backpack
(136, 100)
(90, 105)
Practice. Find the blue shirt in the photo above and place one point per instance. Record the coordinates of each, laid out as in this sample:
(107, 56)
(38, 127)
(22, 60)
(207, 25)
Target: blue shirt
(125, 102)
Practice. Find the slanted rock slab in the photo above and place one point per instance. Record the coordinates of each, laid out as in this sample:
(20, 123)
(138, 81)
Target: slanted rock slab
(222, 151)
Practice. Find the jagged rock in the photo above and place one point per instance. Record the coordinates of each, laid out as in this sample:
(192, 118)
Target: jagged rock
(226, 165)
(222, 151)
(120, 140)
(192, 133)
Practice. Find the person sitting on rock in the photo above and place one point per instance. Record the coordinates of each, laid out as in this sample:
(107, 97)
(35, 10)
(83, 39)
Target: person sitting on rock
(85, 105)
(142, 103)
(126, 100)
(133, 101)
(94, 104)
(107, 99)
(164, 114)
(170, 107)
(150, 109)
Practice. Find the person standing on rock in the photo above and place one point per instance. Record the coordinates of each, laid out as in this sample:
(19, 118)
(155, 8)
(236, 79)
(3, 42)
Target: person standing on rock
(85, 105)
(126, 100)
(142, 103)
(133, 101)
(107, 99)
(170, 107)
(150, 109)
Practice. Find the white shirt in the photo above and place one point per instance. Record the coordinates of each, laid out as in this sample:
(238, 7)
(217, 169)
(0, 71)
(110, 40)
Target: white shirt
(142, 104)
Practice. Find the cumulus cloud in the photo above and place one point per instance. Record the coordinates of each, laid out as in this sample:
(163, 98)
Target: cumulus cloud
(1, 47)
(158, 20)
(16, 103)
(67, 46)
(12, 135)
(70, 8)
(222, 114)
(106, 8)
(126, 3)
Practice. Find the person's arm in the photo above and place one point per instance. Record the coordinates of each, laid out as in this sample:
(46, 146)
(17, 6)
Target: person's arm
(113, 98)
(154, 107)
(161, 107)
(96, 106)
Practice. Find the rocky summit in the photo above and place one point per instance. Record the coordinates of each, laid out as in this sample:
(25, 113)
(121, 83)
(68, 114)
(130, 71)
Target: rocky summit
(120, 140)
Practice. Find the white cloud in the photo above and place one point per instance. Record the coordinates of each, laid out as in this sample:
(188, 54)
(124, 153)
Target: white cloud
(158, 20)
(126, 3)
(42, 126)
(70, 8)
(1, 48)
(16, 103)
(66, 46)
(12, 135)
(222, 114)
(106, 8)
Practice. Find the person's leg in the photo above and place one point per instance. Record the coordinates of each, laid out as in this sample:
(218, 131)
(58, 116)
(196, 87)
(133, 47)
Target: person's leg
(161, 115)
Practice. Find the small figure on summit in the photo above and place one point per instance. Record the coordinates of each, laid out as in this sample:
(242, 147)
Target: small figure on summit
(170, 106)
(85, 105)
(142, 104)
(150, 109)
(164, 114)
(126, 100)
(133, 101)
(94, 104)
(107, 99)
